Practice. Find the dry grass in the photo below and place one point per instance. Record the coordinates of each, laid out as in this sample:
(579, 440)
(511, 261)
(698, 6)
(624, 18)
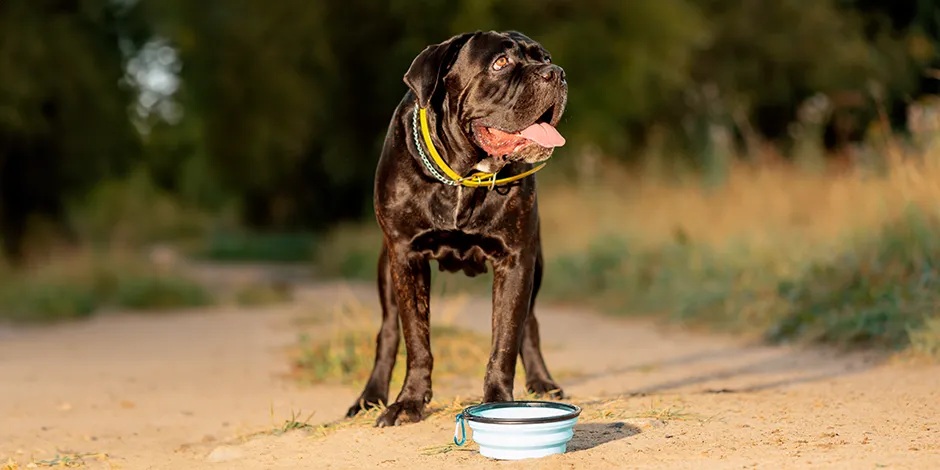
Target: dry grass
(346, 355)
(61, 460)
(766, 208)
(636, 410)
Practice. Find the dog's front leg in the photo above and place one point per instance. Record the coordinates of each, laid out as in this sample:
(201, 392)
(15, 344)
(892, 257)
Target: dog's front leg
(411, 275)
(512, 294)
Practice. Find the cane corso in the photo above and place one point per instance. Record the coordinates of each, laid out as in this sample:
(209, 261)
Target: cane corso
(490, 101)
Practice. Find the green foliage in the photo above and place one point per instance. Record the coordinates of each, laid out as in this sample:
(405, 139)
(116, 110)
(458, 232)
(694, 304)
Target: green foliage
(40, 301)
(59, 72)
(63, 108)
(280, 108)
(881, 291)
(349, 252)
(81, 287)
(228, 245)
(290, 114)
(134, 211)
(688, 281)
(875, 294)
(159, 292)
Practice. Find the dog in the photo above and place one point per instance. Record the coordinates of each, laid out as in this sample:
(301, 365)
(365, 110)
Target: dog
(478, 104)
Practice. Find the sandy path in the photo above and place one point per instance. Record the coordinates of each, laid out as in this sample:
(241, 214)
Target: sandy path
(177, 390)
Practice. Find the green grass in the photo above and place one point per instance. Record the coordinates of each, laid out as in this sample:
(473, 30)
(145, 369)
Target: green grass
(83, 285)
(879, 290)
(244, 246)
(877, 293)
(682, 280)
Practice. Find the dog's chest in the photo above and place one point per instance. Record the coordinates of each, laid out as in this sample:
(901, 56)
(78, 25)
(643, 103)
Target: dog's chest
(455, 209)
(455, 250)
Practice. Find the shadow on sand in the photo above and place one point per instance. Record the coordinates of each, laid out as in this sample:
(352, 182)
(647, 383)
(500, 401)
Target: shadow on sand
(590, 435)
(743, 373)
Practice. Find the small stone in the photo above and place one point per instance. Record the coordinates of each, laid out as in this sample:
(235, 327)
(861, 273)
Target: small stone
(224, 454)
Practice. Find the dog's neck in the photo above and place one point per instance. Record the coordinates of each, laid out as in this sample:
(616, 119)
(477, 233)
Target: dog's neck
(461, 154)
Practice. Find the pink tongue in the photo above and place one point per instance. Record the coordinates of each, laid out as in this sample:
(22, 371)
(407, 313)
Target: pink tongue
(543, 134)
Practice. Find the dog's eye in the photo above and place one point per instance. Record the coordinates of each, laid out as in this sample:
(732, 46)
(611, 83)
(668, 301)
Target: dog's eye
(500, 62)
(548, 60)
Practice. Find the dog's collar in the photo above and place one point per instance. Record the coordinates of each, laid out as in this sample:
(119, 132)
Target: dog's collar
(452, 178)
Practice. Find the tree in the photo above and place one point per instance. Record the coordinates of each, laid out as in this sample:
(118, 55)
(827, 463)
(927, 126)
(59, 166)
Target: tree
(63, 117)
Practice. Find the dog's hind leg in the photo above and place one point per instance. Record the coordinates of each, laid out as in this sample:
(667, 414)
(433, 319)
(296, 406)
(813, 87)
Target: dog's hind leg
(537, 378)
(386, 342)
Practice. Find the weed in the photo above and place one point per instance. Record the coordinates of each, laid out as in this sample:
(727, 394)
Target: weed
(293, 424)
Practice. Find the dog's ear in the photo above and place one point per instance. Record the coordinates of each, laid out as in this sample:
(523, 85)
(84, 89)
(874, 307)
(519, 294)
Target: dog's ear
(431, 65)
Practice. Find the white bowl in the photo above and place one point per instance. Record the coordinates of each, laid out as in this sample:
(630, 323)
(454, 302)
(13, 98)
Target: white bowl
(521, 429)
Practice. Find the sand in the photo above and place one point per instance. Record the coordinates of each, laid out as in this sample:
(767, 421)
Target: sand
(190, 389)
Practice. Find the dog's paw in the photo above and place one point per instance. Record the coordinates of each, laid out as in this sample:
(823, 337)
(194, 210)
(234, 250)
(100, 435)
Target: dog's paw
(364, 402)
(401, 412)
(540, 388)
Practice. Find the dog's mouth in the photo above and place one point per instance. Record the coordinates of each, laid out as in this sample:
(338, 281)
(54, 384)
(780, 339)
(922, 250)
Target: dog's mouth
(497, 142)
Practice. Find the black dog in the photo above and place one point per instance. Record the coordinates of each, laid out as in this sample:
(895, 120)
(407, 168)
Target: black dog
(491, 101)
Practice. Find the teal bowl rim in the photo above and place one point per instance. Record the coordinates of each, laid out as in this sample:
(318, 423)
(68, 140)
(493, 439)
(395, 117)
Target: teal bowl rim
(573, 412)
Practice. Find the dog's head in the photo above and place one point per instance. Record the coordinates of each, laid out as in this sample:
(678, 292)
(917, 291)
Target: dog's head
(501, 87)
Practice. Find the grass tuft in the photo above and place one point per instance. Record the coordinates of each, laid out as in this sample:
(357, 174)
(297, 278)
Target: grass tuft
(293, 423)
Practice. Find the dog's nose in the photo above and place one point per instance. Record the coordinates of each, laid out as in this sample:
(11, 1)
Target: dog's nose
(551, 73)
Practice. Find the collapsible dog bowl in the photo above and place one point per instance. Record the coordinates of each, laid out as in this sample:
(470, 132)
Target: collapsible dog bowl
(519, 429)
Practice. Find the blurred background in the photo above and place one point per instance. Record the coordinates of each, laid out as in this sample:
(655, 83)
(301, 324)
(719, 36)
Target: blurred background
(748, 164)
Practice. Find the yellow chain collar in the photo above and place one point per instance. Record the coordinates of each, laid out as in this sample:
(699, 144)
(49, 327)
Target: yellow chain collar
(475, 180)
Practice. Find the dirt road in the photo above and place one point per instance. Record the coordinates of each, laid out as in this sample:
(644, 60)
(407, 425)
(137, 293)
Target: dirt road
(182, 391)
